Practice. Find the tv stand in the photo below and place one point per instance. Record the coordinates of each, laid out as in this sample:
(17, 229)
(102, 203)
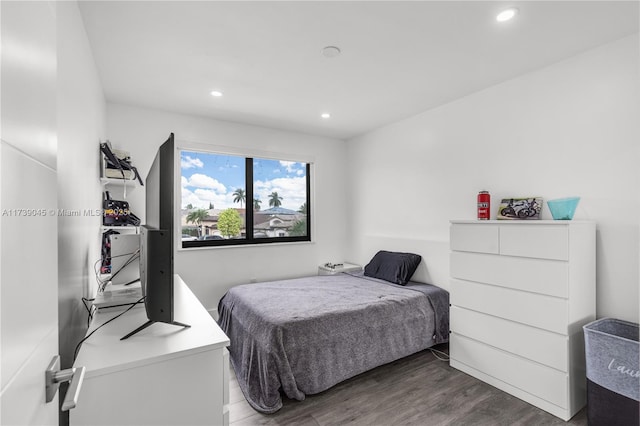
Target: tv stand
(148, 323)
(164, 376)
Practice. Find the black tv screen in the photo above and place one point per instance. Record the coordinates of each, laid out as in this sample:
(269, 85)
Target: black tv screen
(156, 239)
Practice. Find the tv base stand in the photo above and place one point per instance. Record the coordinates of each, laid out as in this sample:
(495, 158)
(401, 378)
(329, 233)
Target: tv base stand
(148, 323)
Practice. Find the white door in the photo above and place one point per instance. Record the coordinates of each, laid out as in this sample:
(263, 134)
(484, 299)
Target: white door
(28, 203)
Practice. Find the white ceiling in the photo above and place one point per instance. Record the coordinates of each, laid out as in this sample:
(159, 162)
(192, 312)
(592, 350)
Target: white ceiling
(398, 58)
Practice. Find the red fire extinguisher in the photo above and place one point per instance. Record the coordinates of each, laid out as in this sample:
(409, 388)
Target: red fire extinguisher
(484, 205)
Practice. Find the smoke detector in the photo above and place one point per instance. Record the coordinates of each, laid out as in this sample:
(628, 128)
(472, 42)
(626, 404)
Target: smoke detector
(331, 51)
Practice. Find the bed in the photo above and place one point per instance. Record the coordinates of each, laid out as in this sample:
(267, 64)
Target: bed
(302, 336)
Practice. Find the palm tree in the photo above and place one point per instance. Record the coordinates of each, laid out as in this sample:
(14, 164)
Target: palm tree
(239, 196)
(275, 200)
(197, 216)
(299, 228)
(256, 204)
(303, 208)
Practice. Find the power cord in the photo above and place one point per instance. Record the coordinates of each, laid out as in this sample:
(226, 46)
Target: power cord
(133, 256)
(442, 356)
(103, 283)
(90, 309)
(75, 352)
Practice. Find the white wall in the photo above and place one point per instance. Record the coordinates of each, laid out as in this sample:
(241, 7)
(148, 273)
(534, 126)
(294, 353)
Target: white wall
(568, 129)
(81, 124)
(210, 272)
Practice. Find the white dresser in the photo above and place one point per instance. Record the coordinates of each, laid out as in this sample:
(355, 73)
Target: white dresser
(163, 375)
(520, 293)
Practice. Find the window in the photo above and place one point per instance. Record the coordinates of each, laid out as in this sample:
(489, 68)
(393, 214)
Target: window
(234, 200)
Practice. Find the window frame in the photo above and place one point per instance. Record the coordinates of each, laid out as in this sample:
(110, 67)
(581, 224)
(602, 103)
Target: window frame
(249, 156)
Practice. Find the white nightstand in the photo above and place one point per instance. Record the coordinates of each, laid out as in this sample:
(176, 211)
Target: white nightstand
(336, 268)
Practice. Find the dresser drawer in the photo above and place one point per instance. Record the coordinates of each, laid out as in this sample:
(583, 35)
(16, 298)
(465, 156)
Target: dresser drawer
(531, 377)
(534, 275)
(537, 310)
(482, 238)
(528, 342)
(540, 241)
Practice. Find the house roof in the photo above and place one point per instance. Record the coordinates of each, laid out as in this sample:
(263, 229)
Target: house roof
(278, 211)
(284, 221)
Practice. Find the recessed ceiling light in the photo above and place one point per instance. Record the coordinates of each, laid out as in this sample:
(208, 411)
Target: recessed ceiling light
(330, 51)
(507, 14)
(216, 93)
(325, 115)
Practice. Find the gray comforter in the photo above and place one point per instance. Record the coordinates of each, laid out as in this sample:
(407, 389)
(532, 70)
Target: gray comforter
(303, 336)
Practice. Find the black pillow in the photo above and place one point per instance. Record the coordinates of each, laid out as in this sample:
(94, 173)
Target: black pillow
(394, 267)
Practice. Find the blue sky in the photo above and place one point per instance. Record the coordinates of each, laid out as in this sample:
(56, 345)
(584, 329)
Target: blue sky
(212, 178)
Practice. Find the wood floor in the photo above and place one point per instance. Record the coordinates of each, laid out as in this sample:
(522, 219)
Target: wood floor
(417, 390)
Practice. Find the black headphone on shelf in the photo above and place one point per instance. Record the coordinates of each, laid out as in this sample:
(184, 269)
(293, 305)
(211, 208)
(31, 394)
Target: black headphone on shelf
(118, 163)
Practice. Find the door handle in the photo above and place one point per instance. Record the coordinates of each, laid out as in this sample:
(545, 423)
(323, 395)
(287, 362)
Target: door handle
(54, 376)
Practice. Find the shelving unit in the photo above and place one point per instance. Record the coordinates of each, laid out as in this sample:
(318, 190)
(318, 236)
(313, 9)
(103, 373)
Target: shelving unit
(129, 183)
(118, 188)
(127, 229)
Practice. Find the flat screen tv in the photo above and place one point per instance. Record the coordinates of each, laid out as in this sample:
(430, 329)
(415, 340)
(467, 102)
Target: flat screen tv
(156, 240)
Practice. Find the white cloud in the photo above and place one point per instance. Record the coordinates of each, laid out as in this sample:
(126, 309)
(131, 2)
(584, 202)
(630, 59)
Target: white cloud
(189, 197)
(199, 180)
(292, 190)
(187, 162)
(201, 198)
(290, 166)
(209, 196)
(200, 189)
